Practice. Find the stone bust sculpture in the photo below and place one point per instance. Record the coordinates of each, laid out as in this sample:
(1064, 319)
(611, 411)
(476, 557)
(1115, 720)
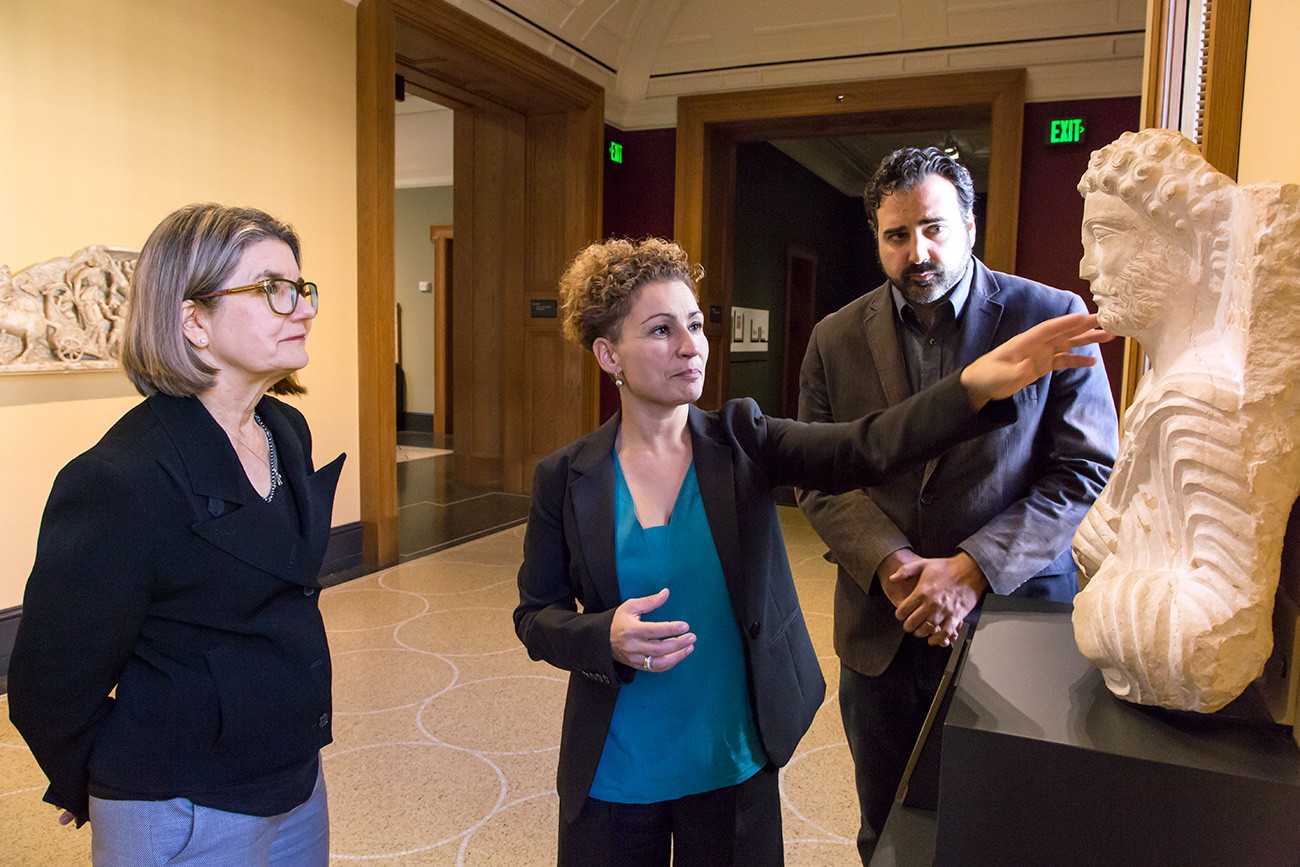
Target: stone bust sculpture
(1181, 551)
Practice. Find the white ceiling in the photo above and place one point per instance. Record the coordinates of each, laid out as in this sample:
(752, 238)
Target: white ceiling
(423, 144)
(646, 53)
(846, 162)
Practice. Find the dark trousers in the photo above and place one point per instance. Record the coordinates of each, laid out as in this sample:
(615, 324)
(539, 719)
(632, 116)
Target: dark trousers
(736, 826)
(882, 717)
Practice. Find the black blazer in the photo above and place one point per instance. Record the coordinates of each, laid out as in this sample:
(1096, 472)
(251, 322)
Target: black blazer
(740, 456)
(157, 573)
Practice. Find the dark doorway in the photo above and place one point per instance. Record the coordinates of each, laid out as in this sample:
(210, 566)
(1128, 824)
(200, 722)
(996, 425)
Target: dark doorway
(800, 316)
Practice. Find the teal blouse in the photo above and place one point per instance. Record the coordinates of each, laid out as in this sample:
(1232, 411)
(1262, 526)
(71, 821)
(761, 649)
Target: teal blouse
(689, 729)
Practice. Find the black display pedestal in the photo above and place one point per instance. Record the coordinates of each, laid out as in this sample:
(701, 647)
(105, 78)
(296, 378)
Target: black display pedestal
(1042, 765)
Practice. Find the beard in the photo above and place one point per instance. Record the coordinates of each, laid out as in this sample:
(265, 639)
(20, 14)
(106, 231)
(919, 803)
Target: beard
(1128, 303)
(926, 283)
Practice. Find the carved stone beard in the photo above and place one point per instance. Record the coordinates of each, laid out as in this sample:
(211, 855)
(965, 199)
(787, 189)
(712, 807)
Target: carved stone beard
(1129, 302)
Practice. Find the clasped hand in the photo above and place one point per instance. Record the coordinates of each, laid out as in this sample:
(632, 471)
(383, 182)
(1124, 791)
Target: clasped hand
(932, 596)
(646, 644)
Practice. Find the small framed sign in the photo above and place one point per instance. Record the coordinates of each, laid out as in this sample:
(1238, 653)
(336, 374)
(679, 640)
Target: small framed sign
(748, 330)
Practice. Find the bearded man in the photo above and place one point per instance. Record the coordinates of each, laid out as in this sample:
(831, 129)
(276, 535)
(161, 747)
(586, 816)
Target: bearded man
(994, 514)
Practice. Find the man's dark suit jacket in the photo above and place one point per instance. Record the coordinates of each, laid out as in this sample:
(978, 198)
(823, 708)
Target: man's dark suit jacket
(1012, 499)
(740, 455)
(158, 573)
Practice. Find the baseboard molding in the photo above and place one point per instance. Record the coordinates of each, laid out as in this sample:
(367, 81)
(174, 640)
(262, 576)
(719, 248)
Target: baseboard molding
(342, 555)
(421, 422)
(343, 552)
(9, 618)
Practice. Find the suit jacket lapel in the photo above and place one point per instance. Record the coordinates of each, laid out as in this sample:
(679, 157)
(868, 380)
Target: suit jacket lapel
(591, 487)
(882, 340)
(223, 494)
(978, 324)
(983, 314)
(313, 496)
(716, 477)
(211, 465)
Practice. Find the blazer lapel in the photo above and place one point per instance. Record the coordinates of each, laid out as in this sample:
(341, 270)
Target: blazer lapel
(716, 477)
(591, 487)
(983, 315)
(979, 324)
(882, 340)
(209, 460)
(313, 497)
(223, 494)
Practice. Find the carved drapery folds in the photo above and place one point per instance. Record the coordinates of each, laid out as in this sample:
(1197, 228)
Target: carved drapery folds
(1182, 549)
(66, 313)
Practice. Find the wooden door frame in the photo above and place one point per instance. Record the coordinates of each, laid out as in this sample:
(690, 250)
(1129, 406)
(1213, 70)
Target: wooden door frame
(376, 386)
(441, 238)
(1225, 91)
(793, 350)
(487, 63)
(710, 125)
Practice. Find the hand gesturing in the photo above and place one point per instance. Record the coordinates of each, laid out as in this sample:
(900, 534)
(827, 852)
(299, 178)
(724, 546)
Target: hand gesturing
(646, 644)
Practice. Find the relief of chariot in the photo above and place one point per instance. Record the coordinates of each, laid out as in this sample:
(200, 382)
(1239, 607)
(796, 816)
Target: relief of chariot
(66, 313)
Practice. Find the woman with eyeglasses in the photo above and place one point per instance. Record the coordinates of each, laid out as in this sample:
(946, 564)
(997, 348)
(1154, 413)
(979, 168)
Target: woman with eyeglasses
(171, 672)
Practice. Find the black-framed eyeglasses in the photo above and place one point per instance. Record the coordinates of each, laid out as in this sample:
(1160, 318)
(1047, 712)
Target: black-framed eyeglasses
(281, 293)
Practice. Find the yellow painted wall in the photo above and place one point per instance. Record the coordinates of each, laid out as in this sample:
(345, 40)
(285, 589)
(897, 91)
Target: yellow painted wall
(1270, 124)
(116, 112)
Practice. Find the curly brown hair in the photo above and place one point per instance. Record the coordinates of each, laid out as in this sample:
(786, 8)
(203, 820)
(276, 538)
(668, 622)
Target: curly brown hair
(596, 289)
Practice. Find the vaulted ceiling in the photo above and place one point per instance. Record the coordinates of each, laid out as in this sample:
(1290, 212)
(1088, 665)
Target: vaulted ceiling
(646, 53)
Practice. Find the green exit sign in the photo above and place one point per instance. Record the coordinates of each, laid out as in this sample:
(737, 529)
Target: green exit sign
(615, 152)
(1065, 131)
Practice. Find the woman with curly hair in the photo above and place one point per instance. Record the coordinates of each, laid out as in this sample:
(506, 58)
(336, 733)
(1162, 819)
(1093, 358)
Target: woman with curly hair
(655, 571)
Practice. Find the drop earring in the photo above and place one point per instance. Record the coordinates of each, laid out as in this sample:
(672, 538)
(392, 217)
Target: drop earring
(618, 380)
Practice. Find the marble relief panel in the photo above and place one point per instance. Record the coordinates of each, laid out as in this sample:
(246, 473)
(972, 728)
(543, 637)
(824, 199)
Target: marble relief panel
(67, 313)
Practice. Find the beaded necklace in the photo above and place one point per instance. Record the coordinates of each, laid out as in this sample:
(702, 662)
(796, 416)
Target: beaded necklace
(274, 466)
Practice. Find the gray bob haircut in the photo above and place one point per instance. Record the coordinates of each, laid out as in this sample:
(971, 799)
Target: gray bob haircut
(188, 257)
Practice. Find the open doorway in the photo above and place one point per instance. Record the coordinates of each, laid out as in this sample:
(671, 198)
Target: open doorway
(435, 510)
(711, 128)
(424, 152)
(802, 245)
(527, 181)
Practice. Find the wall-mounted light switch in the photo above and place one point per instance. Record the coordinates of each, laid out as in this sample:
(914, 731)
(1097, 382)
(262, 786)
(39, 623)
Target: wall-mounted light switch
(426, 286)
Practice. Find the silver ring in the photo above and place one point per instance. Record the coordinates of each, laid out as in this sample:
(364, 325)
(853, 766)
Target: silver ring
(646, 664)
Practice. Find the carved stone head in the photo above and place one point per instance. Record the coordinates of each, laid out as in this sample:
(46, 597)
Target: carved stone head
(1150, 201)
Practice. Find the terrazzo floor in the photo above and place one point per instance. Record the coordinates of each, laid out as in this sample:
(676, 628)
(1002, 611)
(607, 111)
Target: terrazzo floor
(446, 735)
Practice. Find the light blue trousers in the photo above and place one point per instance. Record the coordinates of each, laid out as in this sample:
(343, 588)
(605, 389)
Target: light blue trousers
(176, 832)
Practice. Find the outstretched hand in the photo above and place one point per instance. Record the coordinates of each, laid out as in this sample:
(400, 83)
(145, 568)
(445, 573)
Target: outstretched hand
(1007, 368)
(644, 644)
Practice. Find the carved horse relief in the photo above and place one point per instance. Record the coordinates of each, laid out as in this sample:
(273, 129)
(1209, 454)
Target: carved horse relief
(65, 313)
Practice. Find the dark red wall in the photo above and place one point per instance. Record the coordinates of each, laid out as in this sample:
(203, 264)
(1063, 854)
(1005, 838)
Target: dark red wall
(639, 195)
(639, 192)
(1051, 210)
